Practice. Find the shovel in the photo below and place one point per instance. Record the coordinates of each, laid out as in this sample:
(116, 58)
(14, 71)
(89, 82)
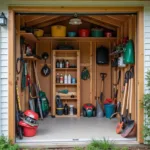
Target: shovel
(103, 75)
(130, 129)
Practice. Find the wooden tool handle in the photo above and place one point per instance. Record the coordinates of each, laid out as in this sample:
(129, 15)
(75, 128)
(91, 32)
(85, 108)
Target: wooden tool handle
(36, 76)
(130, 99)
(128, 95)
(124, 98)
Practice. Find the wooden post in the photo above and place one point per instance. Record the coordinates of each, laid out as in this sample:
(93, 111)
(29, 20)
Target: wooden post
(54, 84)
(140, 74)
(11, 77)
(78, 83)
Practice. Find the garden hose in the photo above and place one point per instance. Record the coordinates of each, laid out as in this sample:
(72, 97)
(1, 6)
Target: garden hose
(85, 75)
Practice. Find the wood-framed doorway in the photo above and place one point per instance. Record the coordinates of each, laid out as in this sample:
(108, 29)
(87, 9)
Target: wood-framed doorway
(139, 56)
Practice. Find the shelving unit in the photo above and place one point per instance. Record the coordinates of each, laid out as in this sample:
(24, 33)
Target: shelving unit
(74, 89)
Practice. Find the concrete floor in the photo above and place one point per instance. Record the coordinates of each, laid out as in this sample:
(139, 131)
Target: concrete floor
(75, 129)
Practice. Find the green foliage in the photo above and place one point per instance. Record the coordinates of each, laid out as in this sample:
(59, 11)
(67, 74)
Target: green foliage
(101, 145)
(6, 144)
(146, 106)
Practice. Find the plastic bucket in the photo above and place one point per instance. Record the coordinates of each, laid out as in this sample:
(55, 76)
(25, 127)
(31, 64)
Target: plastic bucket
(109, 110)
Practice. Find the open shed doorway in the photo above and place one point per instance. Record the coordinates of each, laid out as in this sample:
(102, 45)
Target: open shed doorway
(76, 127)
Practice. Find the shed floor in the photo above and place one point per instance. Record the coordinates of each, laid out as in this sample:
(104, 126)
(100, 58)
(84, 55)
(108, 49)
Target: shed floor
(75, 129)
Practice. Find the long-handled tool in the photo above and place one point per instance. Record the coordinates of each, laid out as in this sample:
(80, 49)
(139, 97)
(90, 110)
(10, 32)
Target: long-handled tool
(116, 85)
(18, 113)
(102, 75)
(120, 124)
(37, 89)
(130, 128)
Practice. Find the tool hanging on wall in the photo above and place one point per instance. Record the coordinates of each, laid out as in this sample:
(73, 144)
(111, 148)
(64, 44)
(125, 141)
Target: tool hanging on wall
(20, 59)
(85, 75)
(24, 76)
(103, 76)
(45, 71)
(116, 88)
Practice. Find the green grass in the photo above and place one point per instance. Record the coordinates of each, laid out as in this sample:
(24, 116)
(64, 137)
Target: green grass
(101, 145)
(6, 144)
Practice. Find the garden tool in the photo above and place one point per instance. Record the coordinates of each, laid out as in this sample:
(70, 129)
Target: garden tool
(130, 127)
(120, 124)
(37, 87)
(102, 75)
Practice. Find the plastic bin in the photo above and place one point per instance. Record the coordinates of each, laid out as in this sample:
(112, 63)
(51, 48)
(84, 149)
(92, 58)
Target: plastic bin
(109, 110)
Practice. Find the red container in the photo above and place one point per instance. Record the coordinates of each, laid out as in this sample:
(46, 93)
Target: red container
(108, 34)
(28, 130)
(84, 32)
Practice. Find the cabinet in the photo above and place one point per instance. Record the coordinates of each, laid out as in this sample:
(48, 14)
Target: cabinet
(73, 95)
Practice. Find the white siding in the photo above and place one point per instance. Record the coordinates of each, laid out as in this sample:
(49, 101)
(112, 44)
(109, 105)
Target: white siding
(146, 41)
(4, 77)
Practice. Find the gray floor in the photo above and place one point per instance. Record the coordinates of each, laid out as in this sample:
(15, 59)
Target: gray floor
(74, 129)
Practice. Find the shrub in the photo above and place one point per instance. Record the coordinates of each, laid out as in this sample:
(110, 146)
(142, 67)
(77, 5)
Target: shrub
(6, 144)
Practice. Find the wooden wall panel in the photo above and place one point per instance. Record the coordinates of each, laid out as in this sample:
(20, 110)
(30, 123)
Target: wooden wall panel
(104, 69)
(45, 82)
(85, 62)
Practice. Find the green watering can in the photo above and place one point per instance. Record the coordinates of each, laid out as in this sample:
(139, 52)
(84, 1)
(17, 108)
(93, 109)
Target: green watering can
(128, 55)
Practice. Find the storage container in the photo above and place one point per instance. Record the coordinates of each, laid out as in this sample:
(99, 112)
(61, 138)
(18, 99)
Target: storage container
(95, 32)
(28, 130)
(109, 110)
(71, 34)
(71, 109)
(84, 32)
(38, 32)
(58, 31)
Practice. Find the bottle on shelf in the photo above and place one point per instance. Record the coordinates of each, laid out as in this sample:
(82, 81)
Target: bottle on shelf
(65, 79)
(61, 79)
(66, 109)
(73, 80)
(57, 78)
(57, 64)
(67, 64)
(63, 63)
(69, 78)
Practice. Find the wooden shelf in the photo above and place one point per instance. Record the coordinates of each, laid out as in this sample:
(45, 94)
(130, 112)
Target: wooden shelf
(29, 57)
(68, 98)
(77, 38)
(65, 116)
(29, 36)
(65, 51)
(60, 69)
(62, 84)
(66, 57)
